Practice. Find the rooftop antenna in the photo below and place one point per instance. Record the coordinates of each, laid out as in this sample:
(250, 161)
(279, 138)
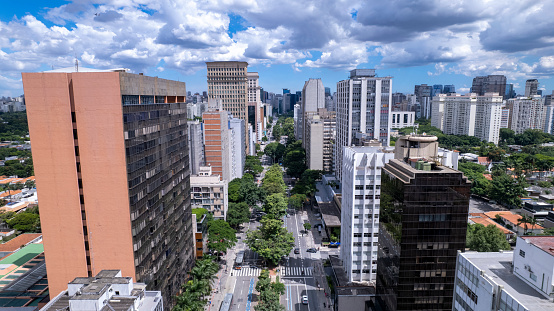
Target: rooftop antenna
(76, 65)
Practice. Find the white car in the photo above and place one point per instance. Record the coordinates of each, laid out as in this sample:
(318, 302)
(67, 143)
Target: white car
(305, 299)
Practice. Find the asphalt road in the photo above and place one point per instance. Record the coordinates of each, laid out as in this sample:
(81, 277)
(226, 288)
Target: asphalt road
(297, 271)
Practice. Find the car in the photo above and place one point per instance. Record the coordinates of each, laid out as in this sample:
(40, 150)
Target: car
(305, 299)
(311, 250)
(297, 251)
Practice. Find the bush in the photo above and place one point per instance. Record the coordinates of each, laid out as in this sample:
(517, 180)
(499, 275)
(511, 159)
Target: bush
(544, 184)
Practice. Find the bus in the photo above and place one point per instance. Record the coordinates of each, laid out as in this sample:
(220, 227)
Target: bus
(238, 260)
(226, 304)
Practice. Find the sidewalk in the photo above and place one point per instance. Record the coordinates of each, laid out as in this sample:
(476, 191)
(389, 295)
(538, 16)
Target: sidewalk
(222, 285)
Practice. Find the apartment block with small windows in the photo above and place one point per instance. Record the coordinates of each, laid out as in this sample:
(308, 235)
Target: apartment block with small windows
(360, 208)
(526, 113)
(363, 107)
(209, 192)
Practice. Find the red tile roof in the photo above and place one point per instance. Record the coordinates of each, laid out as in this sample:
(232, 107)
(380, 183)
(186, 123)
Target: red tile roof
(15, 243)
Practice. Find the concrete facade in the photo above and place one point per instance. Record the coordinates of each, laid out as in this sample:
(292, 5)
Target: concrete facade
(96, 139)
(319, 141)
(526, 113)
(216, 142)
(363, 106)
(237, 147)
(401, 119)
(196, 145)
(209, 192)
(471, 115)
(360, 210)
(313, 98)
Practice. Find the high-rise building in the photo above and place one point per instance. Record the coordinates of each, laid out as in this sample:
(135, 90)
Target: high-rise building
(437, 89)
(489, 84)
(449, 89)
(361, 193)
(423, 95)
(423, 223)
(313, 98)
(505, 118)
(196, 145)
(286, 91)
(470, 114)
(255, 109)
(327, 91)
(216, 142)
(319, 140)
(228, 82)
(110, 152)
(531, 87)
(363, 110)
(526, 113)
(237, 147)
(510, 93)
(401, 119)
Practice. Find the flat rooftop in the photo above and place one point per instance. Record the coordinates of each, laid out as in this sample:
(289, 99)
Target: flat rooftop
(330, 213)
(498, 268)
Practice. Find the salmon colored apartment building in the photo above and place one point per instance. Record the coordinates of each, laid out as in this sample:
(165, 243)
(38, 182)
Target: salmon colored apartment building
(112, 172)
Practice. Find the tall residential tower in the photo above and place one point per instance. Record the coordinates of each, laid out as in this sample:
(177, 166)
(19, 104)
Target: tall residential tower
(112, 169)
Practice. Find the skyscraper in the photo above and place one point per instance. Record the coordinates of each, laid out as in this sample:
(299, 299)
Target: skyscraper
(526, 113)
(360, 210)
(112, 168)
(449, 89)
(313, 98)
(363, 109)
(424, 94)
(423, 223)
(489, 84)
(227, 81)
(437, 89)
(470, 114)
(216, 142)
(531, 87)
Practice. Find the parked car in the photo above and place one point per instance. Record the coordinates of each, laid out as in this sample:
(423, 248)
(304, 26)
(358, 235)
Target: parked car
(311, 250)
(305, 299)
(297, 251)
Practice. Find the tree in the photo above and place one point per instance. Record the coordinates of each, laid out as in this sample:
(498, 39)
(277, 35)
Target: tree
(220, 236)
(508, 190)
(307, 226)
(264, 139)
(297, 200)
(507, 136)
(275, 151)
(253, 165)
(527, 220)
(273, 180)
(233, 190)
(271, 241)
(276, 205)
(486, 239)
(205, 269)
(295, 162)
(25, 222)
(237, 214)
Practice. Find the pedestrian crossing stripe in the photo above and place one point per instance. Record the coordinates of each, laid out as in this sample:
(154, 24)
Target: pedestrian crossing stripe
(297, 271)
(247, 271)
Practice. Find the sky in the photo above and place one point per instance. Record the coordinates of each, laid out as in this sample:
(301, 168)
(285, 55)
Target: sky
(286, 41)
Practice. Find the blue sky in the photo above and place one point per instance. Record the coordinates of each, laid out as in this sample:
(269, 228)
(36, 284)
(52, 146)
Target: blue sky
(287, 42)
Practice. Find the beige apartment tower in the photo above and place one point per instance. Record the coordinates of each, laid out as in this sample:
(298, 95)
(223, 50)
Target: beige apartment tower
(112, 171)
(228, 82)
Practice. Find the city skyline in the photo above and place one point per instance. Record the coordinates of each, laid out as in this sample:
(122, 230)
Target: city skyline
(432, 43)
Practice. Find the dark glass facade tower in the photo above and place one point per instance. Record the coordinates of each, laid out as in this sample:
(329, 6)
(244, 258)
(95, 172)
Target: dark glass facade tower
(423, 223)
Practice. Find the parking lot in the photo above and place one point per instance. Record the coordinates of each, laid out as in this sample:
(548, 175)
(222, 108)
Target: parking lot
(480, 206)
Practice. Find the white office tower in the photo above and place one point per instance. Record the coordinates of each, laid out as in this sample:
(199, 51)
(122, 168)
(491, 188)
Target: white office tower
(313, 98)
(526, 113)
(520, 280)
(297, 121)
(360, 209)
(196, 145)
(363, 111)
(470, 114)
(237, 147)
(549, 119)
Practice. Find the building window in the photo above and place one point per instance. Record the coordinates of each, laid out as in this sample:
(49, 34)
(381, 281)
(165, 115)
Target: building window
(521, 253)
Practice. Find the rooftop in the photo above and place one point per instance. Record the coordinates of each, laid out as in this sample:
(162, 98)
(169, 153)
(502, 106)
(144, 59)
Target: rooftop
(498, 269)
(546, 243)
(15, 243)
(330, 213)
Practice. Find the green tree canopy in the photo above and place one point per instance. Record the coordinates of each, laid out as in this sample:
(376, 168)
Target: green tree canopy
(276, 205)
(25, 222)
(297, 200)
(220, 235)
(273, 180)
(486, 239)
(237, 214)
(271, 241)
(253, 165)
(508, 190)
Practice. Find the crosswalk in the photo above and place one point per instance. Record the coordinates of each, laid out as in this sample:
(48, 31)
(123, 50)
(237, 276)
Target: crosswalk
(247, 271)
(297, 271)
(285, 271)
